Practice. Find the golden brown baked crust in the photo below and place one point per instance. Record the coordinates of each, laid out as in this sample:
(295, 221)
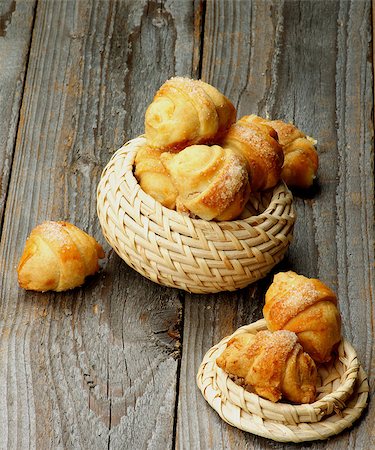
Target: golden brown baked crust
(300, 163)
(211, 181)
(153, 178)
(58, 256)
(257, 143)
(300, 156)
(307, 307)
(273, 365)
(186, 112)
(286, 132)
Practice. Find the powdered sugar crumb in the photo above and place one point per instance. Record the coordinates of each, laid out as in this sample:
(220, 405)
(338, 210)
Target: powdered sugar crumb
(233, 177)
(279, 342)
(291, 295)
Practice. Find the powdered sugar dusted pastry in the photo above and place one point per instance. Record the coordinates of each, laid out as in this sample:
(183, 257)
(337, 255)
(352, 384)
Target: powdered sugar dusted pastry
(212, 182)
(300, 156)
(273, 365)
(307, 307)
(58, 256)
(186, 112)
(257, 143)
(153, 178)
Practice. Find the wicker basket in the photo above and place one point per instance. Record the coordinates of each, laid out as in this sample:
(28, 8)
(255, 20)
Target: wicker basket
(191, 254)
(342, 397)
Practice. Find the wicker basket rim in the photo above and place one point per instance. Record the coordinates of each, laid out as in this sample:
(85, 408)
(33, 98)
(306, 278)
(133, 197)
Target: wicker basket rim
(129, 150)
(300, 432)
(279, 430)
(331, 401)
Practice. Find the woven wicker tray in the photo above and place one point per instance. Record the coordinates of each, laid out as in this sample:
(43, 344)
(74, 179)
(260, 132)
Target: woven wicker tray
(343, 394)
(191, 254)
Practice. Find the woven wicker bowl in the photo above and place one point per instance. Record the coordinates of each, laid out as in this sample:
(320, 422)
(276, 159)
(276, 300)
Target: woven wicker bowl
(191, 254)
(336, 384)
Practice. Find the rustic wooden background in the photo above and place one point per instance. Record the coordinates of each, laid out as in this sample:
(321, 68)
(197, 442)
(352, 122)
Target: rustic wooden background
(112, 365)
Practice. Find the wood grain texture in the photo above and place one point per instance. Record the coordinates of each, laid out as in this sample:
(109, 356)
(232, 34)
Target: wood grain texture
(311, 63)
(16, 21)
(98, 367)
(95, 367)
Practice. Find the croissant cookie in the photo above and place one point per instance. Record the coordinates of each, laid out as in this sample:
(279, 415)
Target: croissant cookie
(212, 182)
(58, 256)
(153, 178)
(186, 112)
(300, 156)
(273, 365)
(257, 143)
(308, 308)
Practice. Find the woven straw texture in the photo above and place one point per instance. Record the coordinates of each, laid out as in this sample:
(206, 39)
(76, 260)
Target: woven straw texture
(343, 394)
(191, 254)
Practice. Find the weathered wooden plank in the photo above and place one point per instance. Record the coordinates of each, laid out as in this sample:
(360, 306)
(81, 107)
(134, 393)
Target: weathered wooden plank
(16, 21)
(309, 62)
(373, 43)
(95, 367)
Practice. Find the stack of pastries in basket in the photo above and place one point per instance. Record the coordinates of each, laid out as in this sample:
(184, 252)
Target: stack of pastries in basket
(304, 328)
(202, 162)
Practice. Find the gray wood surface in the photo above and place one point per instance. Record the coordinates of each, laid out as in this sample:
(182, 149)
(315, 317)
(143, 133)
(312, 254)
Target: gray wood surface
(99, 367)
(95, 367)
(308, 62)
(16, 22)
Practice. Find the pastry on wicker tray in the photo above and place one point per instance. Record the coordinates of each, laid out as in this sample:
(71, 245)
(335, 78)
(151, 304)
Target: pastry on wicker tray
(307, 307)
(273, 365)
